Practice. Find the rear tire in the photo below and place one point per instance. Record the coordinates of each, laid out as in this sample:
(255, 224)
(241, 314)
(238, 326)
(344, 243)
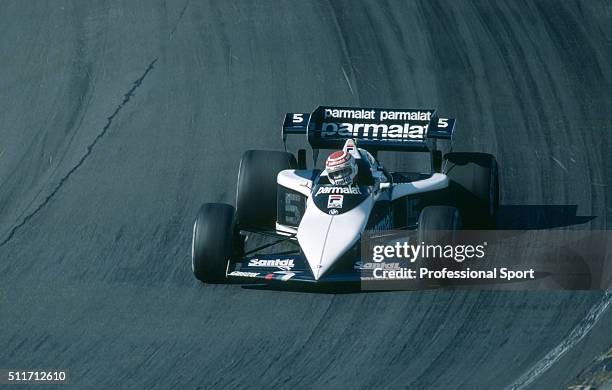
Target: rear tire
(257, 187)
(213, 242)
(474, 185)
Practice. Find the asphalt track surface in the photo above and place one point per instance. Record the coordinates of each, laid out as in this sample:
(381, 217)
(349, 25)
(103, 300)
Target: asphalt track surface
(118, 119)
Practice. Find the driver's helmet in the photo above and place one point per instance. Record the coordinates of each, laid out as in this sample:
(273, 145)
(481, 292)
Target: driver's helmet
(341, 168)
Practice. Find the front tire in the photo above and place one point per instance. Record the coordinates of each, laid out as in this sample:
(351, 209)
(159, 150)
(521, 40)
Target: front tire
(213, 242)
(257, 187)
(437, 227)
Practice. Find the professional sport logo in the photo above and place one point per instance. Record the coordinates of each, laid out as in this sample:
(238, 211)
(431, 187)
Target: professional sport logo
(335, 201)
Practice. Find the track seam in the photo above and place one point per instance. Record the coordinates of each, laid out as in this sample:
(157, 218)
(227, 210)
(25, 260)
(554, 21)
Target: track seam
(179, 18)
(109, 122)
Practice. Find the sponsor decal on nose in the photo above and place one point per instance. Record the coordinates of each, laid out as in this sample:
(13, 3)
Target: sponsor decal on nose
(351, 190)
(335, 201)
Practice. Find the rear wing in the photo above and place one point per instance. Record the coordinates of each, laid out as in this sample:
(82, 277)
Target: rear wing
(373, 128)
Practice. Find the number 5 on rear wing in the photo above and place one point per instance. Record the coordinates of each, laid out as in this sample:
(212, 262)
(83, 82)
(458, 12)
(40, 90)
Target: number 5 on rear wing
(295, 123)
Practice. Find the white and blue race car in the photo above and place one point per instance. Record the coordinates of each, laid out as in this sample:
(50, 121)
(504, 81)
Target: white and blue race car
(282, 200)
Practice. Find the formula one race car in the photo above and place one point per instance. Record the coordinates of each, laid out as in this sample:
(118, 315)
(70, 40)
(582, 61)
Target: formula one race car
(280, 199)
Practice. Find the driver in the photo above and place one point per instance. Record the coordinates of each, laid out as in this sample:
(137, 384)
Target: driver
(341, 168)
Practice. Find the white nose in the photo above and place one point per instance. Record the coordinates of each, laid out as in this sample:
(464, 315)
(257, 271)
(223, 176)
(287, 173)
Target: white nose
(325, 238)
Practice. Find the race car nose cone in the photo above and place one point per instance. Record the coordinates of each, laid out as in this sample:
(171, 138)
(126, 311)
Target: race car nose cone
(324, 238)
(320, 269)
(317, 272)
(312, 236)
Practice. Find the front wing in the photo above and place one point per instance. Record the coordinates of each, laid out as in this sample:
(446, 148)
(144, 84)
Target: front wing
(284, 269)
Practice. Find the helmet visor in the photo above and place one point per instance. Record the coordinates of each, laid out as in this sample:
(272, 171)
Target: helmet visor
(340, 174)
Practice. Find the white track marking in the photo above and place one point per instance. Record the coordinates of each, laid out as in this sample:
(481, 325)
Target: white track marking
(347, 81)
(575, 336)
(559, 162)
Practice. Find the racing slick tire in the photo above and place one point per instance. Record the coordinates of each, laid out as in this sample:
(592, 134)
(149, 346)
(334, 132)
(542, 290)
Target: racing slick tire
(437, 225)
(434, 219)
(213, 242)
(474, 185)
(257, 188)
